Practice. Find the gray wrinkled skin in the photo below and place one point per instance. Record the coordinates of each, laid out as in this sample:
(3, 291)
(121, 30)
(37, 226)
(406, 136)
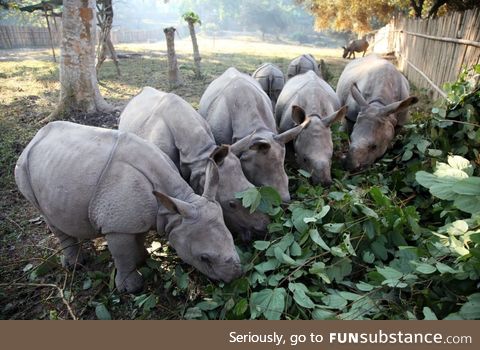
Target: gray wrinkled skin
(237, 109)
(355, 46)
(377, 96)
(271, 79)
(308, 96)
(169, 122)
(303, 64)
(89, 182)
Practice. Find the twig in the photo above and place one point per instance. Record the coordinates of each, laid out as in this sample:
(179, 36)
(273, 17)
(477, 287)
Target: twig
(42, 285)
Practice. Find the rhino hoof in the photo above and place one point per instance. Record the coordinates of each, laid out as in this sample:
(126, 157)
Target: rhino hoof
(69, 262)
(131, 282)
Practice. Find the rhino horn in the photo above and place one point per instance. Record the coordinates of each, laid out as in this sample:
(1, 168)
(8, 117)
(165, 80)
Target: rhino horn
(357, 95)
(211, 180)
(335, 116)
(241, 145)
(289, 135)
(400, 106)
(175, 205)
(219, 154)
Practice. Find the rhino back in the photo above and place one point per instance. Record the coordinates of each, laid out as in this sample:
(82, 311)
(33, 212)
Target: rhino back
(308, 91)
(171, 124)
(62, 166)
(376, 78)
(235, 105)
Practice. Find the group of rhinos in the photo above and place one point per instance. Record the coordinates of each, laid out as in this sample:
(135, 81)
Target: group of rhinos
(176, 170)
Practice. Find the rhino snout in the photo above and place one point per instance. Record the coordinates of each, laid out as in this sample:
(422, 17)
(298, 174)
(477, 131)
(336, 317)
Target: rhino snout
(233, 269)
(285, 197)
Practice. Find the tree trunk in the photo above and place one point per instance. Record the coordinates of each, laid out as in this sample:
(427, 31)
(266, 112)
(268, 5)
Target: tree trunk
(196, 53)
(78, 79)
(173, 72)
(417, 8)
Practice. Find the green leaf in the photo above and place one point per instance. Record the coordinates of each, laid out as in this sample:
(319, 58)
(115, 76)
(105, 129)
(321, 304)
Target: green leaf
(284, 258)
(269, 302)
(469, 186)
(379, 250)
(304, 173)
(87, 284)
(268, 265)
(389, 273)
(102, 312)
(443, 268)
(425, 268)
(426, 179)
(250, 198)
(458, 162)
(240, 307)
(471, 309)
(261, 245)
(364, 287)
(298, 216)
(193, 313)
(321, 314)
(368, 257)
(315, 236)
(429, 314)
(335, 301)
(270, 195)
(207, 305)
(337, 196)
(299, 291)
(468, 204)
(348, 244)
(339, 269)
(334, 228)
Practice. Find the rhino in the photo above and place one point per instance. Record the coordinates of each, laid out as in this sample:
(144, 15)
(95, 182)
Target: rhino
(170, 123)
(378, 98)
(271, 79)
(237, 109)
(90, 182)
(355, 46)
(302, 64)
(308, 96)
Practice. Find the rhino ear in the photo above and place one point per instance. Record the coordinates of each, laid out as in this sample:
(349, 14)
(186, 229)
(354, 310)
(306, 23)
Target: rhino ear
(400, 106)
(174, 205)
(298, 114)
(335, 116)
(357, 95)
(289, 135)
(241, 145)
(211, 180)
(261, 145)
(219, 154)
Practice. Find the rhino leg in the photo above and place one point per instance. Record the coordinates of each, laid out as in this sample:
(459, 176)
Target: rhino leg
(128, 252)
(70, 247)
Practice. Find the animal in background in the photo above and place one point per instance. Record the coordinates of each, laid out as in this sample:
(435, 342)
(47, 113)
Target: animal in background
(308, 96)
(90, 182)
(236, 108)
(358, 45)
(271, 79)
(170, 123)
(378, 98)
(303, 64)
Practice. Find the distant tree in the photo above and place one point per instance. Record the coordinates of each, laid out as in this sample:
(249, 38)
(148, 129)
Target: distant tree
(267, 16)
(192, 18)
(173, 72)
(363, 16)
(105, 21)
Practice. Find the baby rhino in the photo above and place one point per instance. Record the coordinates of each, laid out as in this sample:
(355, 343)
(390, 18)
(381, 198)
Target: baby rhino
(271, 79)
(89, 182)
(170, 123)
(306, 96)
(377, 96)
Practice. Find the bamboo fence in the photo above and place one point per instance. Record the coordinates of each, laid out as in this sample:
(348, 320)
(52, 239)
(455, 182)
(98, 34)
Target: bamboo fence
(434, 51)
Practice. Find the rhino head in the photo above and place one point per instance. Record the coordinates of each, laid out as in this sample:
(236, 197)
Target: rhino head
(199, 235)
(232, 180)
(313, 146)
(374, 129)
(262, 157)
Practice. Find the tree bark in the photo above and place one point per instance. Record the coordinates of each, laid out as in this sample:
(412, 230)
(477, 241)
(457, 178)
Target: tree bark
(196, 53)
(173, 72)
(418, 8)
(78, 79)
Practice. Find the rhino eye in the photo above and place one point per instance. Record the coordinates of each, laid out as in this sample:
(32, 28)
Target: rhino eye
(305, 160)
(204, 258)
(372, 147)
(232, 204)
